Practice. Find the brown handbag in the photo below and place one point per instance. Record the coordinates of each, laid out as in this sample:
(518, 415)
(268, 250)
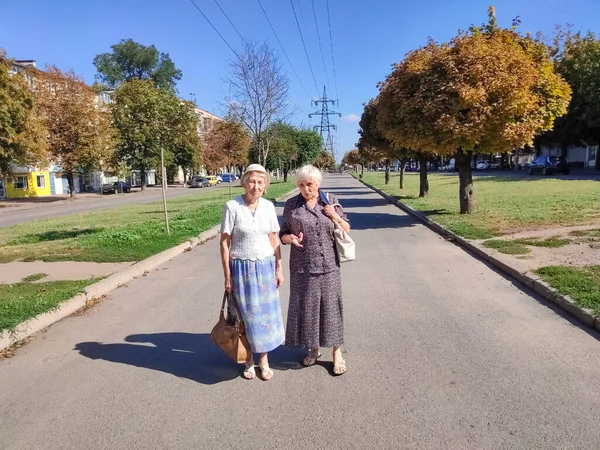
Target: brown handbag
(232, 339)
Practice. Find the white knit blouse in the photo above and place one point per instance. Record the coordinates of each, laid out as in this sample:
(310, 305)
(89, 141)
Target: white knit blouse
(249, 233)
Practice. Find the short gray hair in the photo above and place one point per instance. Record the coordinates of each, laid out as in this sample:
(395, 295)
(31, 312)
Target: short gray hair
(309, 173)
(247, 175)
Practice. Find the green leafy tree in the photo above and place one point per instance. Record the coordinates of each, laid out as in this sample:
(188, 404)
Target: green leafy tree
(577, 60)
(284, 147)
(187, 149)
(130, 60)
(486, 90)
(325, 161)
(80, 135)
(147, 120)
(22, 134)
(310, 145)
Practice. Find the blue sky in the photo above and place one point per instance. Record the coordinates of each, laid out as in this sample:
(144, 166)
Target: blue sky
(368, 36)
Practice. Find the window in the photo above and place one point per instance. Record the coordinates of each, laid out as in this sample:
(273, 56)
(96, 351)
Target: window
(41, 181)
(20, 183)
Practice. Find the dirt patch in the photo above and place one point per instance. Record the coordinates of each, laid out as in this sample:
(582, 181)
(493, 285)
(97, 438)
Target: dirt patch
(583, 248)
(15, 272)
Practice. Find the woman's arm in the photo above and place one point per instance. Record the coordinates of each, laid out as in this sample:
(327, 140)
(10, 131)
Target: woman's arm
(277, 249)
(285, 234)
(225, 244)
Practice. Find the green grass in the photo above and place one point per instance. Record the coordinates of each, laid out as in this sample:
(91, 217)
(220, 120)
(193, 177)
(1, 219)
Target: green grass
(504, 205)
(130, 233)
(553, 242)
(34, 277)
(582, 284)
(21, 301)
(507, 247)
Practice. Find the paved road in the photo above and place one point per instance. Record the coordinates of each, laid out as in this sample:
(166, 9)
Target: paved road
(11, 215)
(442, 351)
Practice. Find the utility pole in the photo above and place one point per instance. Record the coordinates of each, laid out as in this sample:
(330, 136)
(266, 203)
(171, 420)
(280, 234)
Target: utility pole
(326, 125)
(164, 187)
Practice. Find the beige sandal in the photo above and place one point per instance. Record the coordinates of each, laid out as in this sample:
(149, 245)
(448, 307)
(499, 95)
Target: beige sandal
(266, 373)
(311, 358)
(249, 372)
(339, 368)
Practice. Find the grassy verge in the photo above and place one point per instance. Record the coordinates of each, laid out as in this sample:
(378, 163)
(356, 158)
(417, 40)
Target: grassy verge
(21, 301)
(519, 246)
(130, 233)
(504, 205)
(582, 284)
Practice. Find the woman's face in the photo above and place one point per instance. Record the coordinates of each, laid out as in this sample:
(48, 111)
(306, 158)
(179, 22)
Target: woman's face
(255, 185)
(309, 189)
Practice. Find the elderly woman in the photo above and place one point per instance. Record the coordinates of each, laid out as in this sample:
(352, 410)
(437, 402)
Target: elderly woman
(251, 259)
(315, 311)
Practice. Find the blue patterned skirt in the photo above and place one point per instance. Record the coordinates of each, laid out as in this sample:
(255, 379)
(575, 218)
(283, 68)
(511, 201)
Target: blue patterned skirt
(255, 288)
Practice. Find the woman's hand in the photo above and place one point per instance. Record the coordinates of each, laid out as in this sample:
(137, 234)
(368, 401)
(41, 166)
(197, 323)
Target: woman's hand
(295, 240)
(330, 212)
(279, 277)
(228, 285)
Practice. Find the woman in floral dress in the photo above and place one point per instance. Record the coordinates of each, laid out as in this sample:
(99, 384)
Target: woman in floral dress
(251, 259)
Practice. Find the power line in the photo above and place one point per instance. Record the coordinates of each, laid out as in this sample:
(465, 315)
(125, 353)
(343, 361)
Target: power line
(331, 42)
(282, 48)
(304, 45)
(229, 20)
(319, 38)
(214, 28)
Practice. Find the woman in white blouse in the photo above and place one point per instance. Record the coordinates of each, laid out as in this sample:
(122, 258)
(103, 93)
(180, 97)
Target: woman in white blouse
(251, 260)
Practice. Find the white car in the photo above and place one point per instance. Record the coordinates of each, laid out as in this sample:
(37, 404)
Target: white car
(219, 179)
(483, 165)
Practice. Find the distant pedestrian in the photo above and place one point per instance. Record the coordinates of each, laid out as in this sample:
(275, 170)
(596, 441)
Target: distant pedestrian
(315, 315)
(251, 258)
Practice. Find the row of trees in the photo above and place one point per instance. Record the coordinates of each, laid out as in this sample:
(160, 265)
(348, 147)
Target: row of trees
(487, 90)
(56, 117)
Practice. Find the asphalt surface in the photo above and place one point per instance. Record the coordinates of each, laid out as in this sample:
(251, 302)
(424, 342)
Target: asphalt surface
(442, 352)
(12, 215)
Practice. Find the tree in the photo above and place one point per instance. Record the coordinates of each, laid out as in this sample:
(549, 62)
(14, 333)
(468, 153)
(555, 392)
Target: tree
(310, 145)
(147, 120)
(325, 161)
(130, 60)
(258, 92)
(486, 90)
(22, 134)
(577, 60)
(187, 149)
(227, 144)
(352, 158)
(80, 135)
(284, 146)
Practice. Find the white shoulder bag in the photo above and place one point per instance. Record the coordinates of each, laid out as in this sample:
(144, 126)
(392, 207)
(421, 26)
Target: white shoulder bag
(343, 242)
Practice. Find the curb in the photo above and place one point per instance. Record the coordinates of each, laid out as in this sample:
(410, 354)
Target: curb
(532, 283)
(103, 287)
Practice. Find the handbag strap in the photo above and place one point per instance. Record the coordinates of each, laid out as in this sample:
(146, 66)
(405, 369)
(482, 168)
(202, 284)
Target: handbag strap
(229, 298)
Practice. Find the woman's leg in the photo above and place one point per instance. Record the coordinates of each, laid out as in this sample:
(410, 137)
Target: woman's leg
(265, 370)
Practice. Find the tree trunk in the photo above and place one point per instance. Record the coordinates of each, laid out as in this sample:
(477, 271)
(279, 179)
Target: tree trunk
(143, 176)
(465, 175)
(362, 170)
(423, 181)
(401, 168)
(387, 171)
(71, 181)
(285, 175)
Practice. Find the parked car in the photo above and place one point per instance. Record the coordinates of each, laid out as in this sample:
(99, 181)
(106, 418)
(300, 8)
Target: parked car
(483, 165)
(212, 179)
(199, 182)
(548, 165)
(117, 186)
(219, 179)
(228, 176)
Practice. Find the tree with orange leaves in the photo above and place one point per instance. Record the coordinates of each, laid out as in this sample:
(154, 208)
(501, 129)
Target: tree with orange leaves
(487, 90)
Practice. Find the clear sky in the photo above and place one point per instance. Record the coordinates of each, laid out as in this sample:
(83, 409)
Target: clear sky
(368, 36)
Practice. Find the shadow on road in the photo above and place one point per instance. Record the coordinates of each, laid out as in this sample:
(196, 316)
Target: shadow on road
(185, 355)
(372, 221)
